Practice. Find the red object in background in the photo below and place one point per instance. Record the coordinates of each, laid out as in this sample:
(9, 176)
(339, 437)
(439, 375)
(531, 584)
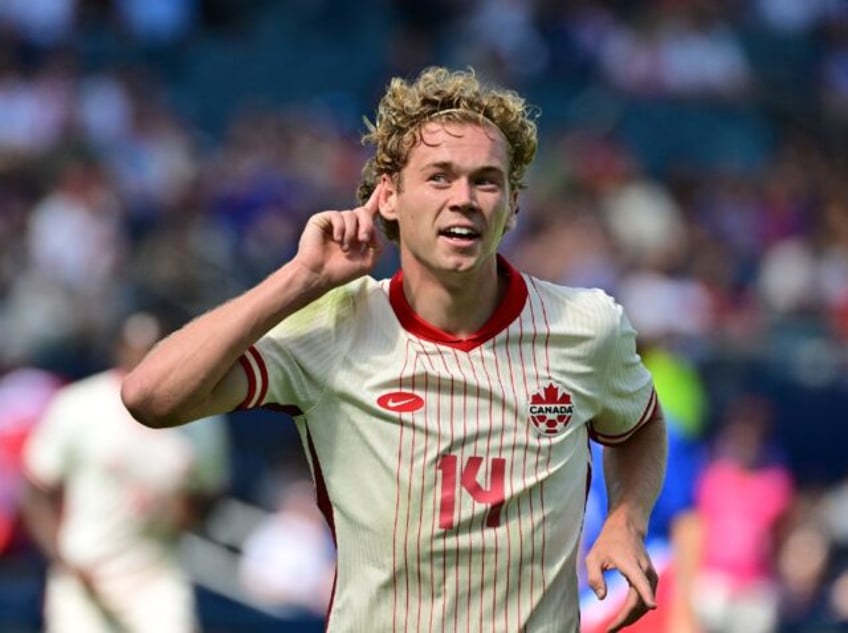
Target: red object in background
(12, 440)
(24, 395)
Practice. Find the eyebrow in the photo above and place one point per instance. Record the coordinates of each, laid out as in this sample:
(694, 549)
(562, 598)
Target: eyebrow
(451, 166)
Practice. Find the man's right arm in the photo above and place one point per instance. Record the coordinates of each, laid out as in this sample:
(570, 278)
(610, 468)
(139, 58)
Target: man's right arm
(194, 372)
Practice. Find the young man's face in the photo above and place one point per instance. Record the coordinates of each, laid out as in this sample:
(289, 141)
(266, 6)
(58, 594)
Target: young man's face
(453, 203)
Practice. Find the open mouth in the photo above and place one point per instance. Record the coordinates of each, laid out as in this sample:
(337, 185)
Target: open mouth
(460, 233)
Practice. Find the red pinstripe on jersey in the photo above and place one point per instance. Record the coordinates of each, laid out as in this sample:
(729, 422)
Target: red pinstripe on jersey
(523, 366)
(512, 371)
(433, 521)
(546, 328)
(435, 499)
(452, 398)
(490, 423)
(421, 511)
(400, 387)
(504, 424)
(468, 400)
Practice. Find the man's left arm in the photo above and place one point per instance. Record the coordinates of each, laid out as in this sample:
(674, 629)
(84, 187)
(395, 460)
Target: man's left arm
(634, 471)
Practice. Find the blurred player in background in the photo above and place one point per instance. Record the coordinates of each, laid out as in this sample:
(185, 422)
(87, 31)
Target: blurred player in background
(742, 501)
(446, 412)
(107, 500)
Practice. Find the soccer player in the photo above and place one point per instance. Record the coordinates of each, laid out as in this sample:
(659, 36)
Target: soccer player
(446, 412)
(107, 499)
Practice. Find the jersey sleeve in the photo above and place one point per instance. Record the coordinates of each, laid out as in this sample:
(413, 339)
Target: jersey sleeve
(47, 455)
(291, 366)
(628, 397)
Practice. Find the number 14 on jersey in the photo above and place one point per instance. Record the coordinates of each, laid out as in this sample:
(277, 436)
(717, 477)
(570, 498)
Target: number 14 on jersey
(493, 495)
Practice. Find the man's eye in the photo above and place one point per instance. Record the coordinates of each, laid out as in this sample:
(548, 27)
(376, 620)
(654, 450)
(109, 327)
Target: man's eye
(439, 177)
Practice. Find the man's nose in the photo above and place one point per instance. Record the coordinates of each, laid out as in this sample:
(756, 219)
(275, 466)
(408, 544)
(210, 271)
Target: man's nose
(463, 195)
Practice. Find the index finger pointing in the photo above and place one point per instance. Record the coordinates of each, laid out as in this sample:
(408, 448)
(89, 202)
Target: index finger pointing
(372, 205)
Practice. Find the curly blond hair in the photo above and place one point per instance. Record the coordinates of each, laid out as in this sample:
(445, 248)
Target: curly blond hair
(457, 96)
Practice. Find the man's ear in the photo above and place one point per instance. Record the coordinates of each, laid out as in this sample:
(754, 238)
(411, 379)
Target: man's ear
(388, 198)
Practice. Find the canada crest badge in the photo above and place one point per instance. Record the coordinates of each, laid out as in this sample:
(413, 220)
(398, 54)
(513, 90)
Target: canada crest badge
(551, 409)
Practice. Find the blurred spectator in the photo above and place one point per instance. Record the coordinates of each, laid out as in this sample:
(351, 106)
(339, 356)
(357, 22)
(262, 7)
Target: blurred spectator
(681, 50)
(105, 110)
(645, 222)
(792, 17)
(68, 290)
(75, 231)
(833, 268)
(679, 306)
(41, 22)
(158, 22)
(829, 599)
(745, 491)
(288, 562)
(567, 244)
(833, 86)
(803, 563)
(500, 39)
(788, 277)
(108, 499)
(153, 160)
(36, 107)
(186, 263)
(649, 228)
(729, 212)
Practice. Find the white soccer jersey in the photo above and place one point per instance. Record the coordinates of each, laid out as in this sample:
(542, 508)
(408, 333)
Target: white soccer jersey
(118, 477)
(453, 472)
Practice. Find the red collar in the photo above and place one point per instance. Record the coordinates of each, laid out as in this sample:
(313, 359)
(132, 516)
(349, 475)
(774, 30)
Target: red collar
(506, 312)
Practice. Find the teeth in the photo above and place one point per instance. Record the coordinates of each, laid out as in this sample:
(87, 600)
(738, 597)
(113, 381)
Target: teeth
(460, 231)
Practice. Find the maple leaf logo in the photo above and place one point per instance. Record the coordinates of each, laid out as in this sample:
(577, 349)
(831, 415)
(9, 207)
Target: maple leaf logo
(551, 395)
(551, 410)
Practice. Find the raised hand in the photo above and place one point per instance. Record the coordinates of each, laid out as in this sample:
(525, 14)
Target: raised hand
(339, 246)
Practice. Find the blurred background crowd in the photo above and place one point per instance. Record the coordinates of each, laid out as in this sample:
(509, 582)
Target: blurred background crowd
(164, 154)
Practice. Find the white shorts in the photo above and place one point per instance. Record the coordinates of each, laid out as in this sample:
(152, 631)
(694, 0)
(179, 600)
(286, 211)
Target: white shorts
(724, 607)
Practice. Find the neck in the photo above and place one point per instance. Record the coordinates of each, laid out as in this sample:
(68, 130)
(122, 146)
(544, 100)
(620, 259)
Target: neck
(457, 303)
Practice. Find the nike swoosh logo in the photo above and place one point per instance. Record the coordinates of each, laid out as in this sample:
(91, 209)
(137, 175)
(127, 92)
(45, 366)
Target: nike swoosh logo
(401, 402)
(394, 404)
